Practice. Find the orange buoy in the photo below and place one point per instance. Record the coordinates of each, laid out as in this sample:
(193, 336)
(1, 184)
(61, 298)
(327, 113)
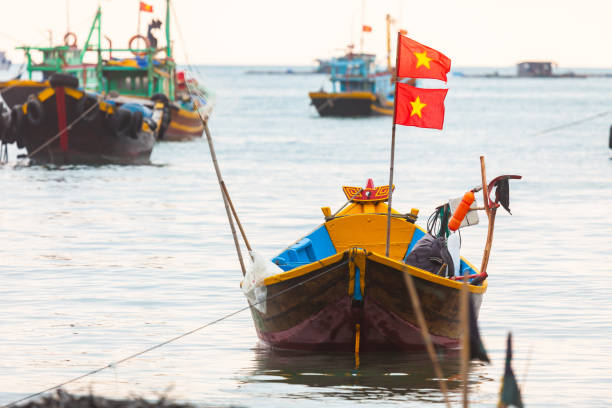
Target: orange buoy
(461, 211)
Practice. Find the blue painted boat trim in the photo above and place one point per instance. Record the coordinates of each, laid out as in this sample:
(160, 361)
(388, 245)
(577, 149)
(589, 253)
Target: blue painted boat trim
(313, 247)
(357, 292)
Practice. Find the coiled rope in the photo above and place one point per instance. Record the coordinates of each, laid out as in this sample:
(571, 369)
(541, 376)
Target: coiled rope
(172, 340)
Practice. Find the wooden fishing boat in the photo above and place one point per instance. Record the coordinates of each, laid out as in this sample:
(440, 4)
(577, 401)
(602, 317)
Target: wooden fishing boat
(356, 89)
(60, 124)
(146, 75)
(338, 287)
(359, 88)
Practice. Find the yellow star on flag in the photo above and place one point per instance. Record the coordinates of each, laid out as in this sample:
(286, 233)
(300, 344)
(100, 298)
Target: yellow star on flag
(417, 107)
(422, 59)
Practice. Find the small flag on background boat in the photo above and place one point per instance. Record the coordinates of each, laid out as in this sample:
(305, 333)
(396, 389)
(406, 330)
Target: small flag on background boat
(148, 8)
(477, 349)
(510, 395)
(419, 61)
(419, 107)
(366, 28)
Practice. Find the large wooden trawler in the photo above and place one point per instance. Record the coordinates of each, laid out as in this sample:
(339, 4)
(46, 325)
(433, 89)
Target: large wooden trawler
(60, 124)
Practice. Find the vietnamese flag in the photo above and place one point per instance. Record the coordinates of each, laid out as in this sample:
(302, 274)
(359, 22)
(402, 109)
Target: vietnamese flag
(419, 107)
(146, 7)
(366, 29)
(419, 61)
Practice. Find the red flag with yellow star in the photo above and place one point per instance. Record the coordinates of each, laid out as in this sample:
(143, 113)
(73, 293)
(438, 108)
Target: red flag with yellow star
(419, 61)
(419, 107)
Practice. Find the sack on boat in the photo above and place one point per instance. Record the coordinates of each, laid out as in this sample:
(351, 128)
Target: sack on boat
(252, 284)
(430, 254)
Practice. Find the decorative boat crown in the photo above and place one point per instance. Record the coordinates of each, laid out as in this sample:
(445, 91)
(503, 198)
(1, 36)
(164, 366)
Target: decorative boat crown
(369, 194)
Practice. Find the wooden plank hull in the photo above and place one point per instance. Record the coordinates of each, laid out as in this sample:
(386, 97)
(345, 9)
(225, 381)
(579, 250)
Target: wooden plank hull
(185, 125)
(320, 314)
(349, 104)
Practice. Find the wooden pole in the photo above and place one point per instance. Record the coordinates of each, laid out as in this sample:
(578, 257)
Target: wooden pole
(465, 339)
(392, 161)
(490, 215)
(223, 193)
(416, 305)
(229, 200)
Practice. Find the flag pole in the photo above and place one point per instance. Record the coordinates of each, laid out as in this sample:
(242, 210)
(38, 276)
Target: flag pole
(395, 77)
(414, 296)
(139, 13)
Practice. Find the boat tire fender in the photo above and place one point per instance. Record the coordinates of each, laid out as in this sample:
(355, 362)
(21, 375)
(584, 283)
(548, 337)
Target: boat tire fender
(16, 124)
(67, 80)
(67, 39)
(5, 124)
(167, 116)
(120, 122)
(136, 124)
(36, 111)
(610, 141)
(85, 103)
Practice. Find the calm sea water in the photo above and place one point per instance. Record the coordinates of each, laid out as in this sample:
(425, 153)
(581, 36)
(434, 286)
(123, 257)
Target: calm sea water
(99, 263)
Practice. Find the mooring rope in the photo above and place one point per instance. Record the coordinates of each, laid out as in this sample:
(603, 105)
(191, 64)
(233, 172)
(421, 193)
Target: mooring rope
(172, 340)
(552, 129)
(67, 128)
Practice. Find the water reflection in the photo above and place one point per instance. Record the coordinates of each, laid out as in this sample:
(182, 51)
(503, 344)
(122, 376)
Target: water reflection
(389, 375)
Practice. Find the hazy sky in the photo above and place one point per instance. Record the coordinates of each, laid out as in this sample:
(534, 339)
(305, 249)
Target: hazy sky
(292, 32)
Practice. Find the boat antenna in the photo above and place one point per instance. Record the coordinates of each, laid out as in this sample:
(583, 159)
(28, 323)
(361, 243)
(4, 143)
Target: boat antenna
(389, 21)
(362, 23)
(67, 16)
(168, 43)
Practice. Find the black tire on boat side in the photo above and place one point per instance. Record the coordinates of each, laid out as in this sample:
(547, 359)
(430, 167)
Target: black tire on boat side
(136, 123)
(167, 115)
(85, 103)
(610, 141)
(16, 124)
(36, 111)
(120, 122)
(64, 80)
(5, 124)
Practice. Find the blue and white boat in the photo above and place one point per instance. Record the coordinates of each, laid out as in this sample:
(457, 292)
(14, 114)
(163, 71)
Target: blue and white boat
(359, 88)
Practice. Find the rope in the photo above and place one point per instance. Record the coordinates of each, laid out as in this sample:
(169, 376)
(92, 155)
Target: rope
(552, 129)
(172, 340)
(68, 127)
(347, 203)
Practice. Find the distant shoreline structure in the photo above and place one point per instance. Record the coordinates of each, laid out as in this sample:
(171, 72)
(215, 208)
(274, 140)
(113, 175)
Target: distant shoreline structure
(534, 69)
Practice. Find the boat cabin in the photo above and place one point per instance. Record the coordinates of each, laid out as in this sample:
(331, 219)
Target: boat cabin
(357, 73)
(534, 69)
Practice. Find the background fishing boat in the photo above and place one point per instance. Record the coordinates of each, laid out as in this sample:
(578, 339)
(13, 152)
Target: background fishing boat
(141, 73)
(60, 124)
(358, 86)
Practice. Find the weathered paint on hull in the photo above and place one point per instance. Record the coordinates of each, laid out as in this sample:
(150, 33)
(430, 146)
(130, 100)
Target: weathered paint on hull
(184, 125)
(16, 92)
(345, 105)
(319, 314)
